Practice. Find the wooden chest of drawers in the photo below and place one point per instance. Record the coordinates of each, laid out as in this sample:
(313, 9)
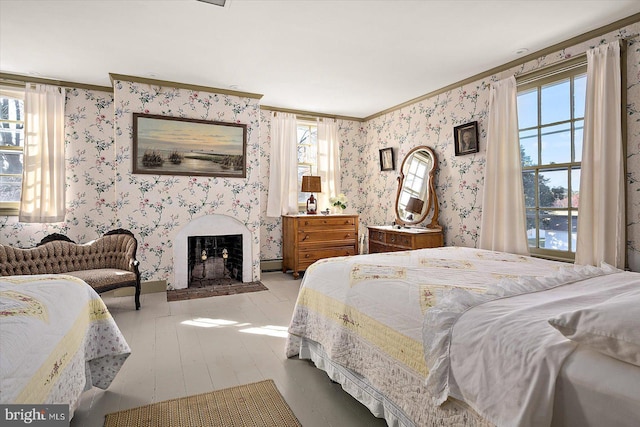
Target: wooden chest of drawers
(390, 239)
(308, 238)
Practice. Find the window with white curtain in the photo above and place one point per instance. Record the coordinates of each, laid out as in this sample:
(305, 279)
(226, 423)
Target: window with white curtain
(11, 148)
(551, 109)
(307, 156)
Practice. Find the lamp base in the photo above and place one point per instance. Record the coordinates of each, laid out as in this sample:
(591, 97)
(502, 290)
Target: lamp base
(312, 205)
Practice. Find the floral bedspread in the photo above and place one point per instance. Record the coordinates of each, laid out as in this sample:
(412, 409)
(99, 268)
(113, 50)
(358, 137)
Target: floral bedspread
(57, 339)
(367, 312)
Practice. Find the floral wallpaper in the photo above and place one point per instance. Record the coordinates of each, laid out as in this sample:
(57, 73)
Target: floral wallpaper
(102, 193)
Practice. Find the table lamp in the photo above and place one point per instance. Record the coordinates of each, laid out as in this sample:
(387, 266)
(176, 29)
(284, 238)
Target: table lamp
(311, 184)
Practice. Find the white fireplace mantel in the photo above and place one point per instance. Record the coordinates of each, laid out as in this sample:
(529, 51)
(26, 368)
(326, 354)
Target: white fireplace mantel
(210, 225)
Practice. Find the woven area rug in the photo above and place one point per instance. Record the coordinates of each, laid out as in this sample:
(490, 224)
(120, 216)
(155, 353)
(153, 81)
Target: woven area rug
(215, 290)
(252, 405)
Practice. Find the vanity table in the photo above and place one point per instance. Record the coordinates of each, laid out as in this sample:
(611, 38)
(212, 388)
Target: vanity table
(388, 238)
(416, 199)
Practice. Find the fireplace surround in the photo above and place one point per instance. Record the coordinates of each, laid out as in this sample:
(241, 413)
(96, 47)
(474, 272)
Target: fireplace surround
(209, 225)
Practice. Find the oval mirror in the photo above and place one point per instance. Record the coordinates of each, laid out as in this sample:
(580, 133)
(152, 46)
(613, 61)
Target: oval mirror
(416, 195)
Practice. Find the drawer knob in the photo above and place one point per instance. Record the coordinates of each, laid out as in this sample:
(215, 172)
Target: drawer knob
(306, 223)
(393, 238)
(305, 237)
(347, 235)
(307, 255)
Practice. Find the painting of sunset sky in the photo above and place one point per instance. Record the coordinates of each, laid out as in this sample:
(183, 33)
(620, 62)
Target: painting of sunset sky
(176, 146)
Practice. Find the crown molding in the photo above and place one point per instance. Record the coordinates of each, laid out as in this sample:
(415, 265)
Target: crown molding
(167, 83)
(11, 79)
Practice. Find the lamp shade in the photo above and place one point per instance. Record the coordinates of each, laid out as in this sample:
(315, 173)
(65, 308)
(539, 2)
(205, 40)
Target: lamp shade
(414, 205)
(311, 184)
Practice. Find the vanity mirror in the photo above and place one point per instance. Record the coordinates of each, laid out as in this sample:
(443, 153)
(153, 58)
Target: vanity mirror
(416, 197)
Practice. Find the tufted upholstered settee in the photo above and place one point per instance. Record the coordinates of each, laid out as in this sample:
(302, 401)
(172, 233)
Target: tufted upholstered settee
(106, 263)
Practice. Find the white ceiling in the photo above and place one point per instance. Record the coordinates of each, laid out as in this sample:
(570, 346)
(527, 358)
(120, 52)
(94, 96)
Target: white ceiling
(349, 57)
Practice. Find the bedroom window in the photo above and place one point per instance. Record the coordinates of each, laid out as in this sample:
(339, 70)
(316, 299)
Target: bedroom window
(550, 121)
(11, 148)
(307, 156)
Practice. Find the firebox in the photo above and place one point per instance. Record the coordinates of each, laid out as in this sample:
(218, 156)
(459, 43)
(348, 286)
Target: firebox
(214, 260)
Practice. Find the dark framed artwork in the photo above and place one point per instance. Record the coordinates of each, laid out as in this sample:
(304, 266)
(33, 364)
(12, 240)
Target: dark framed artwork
(164, 145)
(466, 138)
(387, 159)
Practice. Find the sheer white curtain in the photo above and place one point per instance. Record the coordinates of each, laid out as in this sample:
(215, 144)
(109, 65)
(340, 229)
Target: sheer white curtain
(43, 177)
(328, 161)
(601, 219)
(283, 172)
(503, 226)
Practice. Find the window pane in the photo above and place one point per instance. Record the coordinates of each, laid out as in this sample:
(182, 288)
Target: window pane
(529, 147)
(574, 231)
(11, 162)
(556, 144)
(531, 228)
(528, 182)
(554, 228)
(11, 109)
(577, 138)
(575, 187)
(579, 93)
(12, 134)
(553, 188)
(10, 187)
(555, 102)
(528, 109)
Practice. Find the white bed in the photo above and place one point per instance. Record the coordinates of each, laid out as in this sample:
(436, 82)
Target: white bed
(57, 339)
(362, 320)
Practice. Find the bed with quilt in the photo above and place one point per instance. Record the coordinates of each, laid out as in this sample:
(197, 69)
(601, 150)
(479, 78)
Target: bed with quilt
(463, 336)
(57, 339)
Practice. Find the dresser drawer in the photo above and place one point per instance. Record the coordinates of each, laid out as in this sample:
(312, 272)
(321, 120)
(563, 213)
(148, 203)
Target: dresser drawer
(310, 236)
(308, 257)
(327, 222)
(377, 236)
(398, 239)
(390, 239)
(376, 247)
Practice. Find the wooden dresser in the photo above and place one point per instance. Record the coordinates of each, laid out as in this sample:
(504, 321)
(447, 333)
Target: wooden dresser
(388, 238)
(308, 238)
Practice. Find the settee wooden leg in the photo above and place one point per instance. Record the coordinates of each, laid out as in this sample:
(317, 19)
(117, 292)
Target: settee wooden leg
(137, 297)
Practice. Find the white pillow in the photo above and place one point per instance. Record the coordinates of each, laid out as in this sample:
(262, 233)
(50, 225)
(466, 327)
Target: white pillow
(611, 327)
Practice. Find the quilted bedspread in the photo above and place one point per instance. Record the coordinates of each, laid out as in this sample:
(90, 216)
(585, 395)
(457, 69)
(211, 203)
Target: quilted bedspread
(57, 339)
(367, 312)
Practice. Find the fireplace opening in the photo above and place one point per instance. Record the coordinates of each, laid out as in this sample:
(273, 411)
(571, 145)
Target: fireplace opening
(214, 260)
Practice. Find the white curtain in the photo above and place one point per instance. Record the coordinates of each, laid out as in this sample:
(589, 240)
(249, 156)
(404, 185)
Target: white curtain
(43, 177)
(283, 172)
(503, 226)
(601, 219)
(328, 161)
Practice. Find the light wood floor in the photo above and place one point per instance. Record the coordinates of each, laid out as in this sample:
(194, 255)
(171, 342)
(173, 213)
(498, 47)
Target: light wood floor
(190, 347)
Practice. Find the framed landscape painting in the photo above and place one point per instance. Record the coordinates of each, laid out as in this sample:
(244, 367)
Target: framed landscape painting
(164, 145)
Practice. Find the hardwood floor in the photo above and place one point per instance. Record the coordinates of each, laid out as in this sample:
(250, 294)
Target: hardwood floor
(188, 347)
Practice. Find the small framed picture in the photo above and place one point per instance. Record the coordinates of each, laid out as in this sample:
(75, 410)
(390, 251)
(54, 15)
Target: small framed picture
(387, 160)
(466, 138)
